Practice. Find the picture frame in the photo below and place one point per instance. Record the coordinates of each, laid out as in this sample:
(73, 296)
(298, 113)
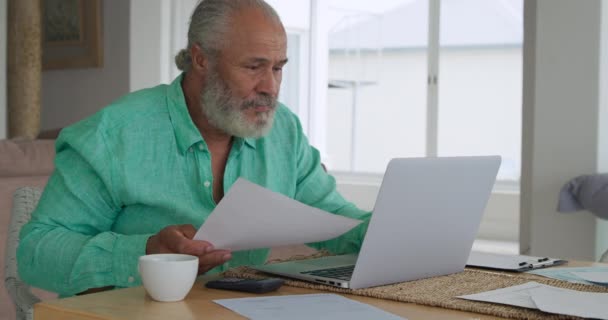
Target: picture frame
(71, 34)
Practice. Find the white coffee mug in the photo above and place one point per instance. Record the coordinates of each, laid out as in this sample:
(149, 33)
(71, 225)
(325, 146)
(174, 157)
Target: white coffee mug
(168, 277)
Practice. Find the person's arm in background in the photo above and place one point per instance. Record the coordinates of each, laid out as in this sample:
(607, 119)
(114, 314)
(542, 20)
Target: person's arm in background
(317, 188)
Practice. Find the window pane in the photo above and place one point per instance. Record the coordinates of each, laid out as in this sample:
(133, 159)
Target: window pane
(480, 80)
(376, 104)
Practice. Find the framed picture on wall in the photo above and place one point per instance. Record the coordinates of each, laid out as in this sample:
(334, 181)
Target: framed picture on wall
(71, 34)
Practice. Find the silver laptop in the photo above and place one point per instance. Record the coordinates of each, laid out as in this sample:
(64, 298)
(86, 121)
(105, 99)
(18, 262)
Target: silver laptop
(425, 219)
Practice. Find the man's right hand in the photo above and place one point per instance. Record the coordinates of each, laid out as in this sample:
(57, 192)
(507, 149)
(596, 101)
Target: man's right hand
(178, 239)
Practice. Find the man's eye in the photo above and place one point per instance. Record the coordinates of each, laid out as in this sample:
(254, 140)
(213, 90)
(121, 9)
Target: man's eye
(253, 67)
(278, 69)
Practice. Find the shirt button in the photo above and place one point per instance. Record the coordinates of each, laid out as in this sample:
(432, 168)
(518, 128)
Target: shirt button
(190, 149)
(200, 147)
(207, 184)
(131, 279)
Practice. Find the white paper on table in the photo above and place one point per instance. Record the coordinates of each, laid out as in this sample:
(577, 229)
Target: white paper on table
(600, 277)
(548, 299)
(305, 306)
(567, 274)
(250, 217)
(571, 302)
(515, 295)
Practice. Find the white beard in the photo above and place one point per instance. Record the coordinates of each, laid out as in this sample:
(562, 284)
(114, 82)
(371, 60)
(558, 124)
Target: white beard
(227, 112)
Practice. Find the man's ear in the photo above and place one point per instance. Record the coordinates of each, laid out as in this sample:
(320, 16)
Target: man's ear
(200, 61)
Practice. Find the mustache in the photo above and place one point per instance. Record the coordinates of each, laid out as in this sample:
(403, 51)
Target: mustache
(260, 100)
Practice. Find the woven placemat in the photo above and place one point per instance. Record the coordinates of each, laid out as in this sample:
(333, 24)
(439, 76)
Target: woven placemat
(441, 291)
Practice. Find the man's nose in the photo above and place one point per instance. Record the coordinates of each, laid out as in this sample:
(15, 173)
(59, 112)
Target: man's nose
(269, 84)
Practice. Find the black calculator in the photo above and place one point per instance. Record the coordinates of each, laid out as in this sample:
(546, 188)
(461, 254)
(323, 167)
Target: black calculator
(246, 285)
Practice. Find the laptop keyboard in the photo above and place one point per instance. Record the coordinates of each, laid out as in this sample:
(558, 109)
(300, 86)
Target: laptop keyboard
(342, 273)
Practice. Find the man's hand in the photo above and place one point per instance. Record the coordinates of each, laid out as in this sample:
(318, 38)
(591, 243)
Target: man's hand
(178, 239)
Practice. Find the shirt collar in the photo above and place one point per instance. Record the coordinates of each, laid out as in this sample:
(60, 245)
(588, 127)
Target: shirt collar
(240, 142)
(186, 133)
(249, 142)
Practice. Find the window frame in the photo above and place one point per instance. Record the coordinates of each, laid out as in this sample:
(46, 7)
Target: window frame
(316, 124)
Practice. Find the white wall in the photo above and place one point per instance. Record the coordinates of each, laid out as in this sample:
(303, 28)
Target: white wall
(3, 109)
(602, 225)
(295, 14)
(159, 29)
(560, 127)
(150, 56)
(72, 94)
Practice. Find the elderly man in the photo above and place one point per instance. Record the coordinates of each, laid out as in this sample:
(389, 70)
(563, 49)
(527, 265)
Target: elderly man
(142, 174)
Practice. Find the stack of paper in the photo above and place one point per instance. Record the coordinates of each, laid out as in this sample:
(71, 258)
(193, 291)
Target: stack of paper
(550, 299)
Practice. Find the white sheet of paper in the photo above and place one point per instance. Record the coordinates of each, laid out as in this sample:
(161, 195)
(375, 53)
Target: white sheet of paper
(305, 306)
(600, 277)
(535, 295)
(571, 302)
(250, 217)
(567, 274)
(515, 295)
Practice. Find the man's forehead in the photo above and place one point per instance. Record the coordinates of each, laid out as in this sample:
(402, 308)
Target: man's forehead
(255, 35)
(251, 26)
(254, 51)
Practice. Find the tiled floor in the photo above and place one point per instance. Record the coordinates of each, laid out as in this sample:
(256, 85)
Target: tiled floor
(493, 246)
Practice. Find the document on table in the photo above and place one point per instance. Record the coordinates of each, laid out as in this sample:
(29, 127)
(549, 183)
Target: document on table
(251, 217)
(597, 277)
(515, 296)
(305, 306)
(574, 275)
(534, 295)
(571, 302)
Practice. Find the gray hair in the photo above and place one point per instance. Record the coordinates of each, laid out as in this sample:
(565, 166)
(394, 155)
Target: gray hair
(209, 25)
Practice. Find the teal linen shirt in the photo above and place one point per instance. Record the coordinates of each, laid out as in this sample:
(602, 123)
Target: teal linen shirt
(140, 165)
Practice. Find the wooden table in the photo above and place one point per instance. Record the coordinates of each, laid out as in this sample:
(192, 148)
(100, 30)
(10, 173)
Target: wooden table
(133, 303)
